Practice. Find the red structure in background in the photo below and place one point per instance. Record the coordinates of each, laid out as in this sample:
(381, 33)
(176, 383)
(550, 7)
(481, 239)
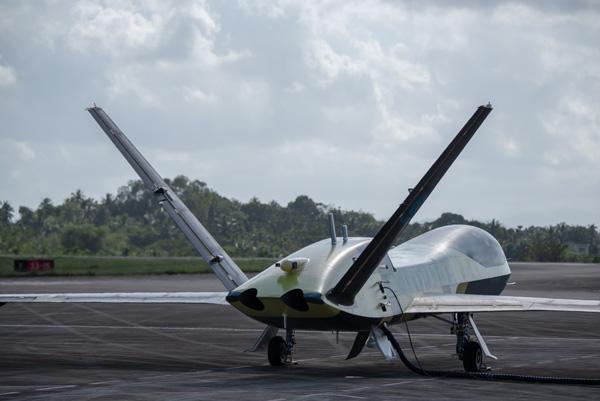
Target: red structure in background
(34, 265)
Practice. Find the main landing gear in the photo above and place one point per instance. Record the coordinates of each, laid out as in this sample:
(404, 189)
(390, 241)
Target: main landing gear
(473, 357)
(467, 350)
(280, 351)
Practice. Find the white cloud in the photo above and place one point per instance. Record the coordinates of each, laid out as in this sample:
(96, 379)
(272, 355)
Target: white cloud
(254, 94)
(151, 47)
(558, 56)
(128, 81)
(343, 48)
(524, 15)
(575, 129)
(7, 75)
(316, 155)
(20, 151)
(268, 8)
(510, 146)
(169, 32)
(375, 89)
(117, 27)
(393, 66)
(327, 62)
(15, 158)
(295, 87)
(193, 94)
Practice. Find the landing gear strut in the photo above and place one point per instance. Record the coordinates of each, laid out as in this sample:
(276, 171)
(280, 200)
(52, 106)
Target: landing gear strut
(467, 350)
(281, 351)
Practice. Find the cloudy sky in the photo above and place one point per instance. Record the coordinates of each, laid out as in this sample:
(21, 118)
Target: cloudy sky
(347, 102)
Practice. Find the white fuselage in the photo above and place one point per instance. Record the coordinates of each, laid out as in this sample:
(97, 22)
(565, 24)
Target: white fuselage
(447, 260)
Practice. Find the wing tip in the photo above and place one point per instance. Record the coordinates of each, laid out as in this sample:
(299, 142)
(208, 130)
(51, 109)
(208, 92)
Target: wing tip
(94, 107)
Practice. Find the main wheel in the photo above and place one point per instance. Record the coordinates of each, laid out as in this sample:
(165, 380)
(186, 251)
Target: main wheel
(473, 357)
(277, 351)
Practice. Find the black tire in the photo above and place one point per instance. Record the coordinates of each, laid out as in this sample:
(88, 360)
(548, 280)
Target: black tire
(473, 357)
(277, 351)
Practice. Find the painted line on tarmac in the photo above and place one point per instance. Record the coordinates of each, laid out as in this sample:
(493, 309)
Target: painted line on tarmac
(157, 332)
(406, 382)
(55, 387)
(330, 395)
(231, 329)
(104, 382)
(74, 330)
(350, 390)
(411, 381)
(316, 358)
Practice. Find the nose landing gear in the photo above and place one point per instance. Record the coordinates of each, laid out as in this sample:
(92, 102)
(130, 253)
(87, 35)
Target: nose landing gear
(280, 351)
(277, 351)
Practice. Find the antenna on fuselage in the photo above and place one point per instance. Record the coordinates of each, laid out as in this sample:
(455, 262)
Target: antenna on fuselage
(345, 233)
(332, 229)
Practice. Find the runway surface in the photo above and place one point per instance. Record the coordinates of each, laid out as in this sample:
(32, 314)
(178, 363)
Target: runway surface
(195, 352)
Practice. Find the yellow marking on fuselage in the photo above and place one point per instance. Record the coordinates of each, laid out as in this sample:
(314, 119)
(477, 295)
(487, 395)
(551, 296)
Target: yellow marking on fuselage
(461, 288)
(288, 281)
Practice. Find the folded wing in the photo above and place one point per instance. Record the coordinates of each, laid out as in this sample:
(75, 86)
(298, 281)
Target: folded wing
(499, 303)
(357, 275)
(220, 262)
(122, 297)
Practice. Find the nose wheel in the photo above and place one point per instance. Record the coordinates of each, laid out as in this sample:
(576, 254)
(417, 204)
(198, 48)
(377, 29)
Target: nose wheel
(280, 351)
(277, 351)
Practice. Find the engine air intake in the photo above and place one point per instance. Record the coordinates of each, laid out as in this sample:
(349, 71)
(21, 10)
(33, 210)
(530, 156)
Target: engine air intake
(249, 299)
(295, 300)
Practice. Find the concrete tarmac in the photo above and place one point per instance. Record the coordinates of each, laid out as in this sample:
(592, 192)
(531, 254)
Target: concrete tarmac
(196, 352)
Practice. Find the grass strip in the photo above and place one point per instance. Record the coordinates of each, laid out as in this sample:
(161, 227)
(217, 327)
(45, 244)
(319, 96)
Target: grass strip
(109, 266)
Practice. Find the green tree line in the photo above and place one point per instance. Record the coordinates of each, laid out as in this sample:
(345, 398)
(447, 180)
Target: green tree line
(129, 223)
